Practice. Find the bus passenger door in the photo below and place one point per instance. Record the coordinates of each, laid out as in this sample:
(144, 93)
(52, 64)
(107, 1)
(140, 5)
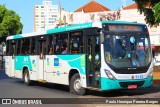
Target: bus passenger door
(12, 58)
(93, 61)
(41, 58)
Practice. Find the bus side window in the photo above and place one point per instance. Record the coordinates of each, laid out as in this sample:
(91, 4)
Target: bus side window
(33, 46)
(26, 46)
(50, 45)
(76, 43)
(18, 46)
(64, 43)
(57, 44)
(12, 47)
(7, 48)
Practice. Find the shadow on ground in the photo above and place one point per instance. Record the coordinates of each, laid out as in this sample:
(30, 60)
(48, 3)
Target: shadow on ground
(3, 75)
(114, 93)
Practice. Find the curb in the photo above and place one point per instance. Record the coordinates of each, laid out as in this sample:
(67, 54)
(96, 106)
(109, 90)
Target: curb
(156, 83)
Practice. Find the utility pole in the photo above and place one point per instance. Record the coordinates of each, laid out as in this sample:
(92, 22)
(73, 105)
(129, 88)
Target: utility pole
(60, 12)
(123, 3)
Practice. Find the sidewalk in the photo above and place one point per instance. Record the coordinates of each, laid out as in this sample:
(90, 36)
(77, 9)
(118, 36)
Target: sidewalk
(156, 77)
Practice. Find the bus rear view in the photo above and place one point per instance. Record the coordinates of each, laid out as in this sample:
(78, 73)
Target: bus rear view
(126, 56)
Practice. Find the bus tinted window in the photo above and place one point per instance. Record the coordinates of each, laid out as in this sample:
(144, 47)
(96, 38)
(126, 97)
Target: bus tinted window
(7, 48)
(76, 43)
(61, 44)
(57, 44)
(64, 43)
(19, 46)
(50, 45)
(25, 46)
(33, 46)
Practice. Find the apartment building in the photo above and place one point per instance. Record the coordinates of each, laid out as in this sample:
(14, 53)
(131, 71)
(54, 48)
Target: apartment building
(45, 15)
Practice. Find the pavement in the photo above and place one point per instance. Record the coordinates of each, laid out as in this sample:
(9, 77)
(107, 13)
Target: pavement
(3, 75)
(53, 92)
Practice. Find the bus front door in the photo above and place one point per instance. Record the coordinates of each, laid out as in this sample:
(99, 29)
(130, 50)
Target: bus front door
(93, 61)
(13, 60)
(41, 58)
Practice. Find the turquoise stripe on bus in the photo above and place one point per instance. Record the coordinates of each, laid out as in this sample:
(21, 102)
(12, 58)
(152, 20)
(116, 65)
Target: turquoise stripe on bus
(21, 61)
(68, 28)
(108, 84)
(17, 36)
(75, 61)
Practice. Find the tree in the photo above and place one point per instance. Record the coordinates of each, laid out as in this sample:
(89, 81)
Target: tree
(9, 22)
(151, 10)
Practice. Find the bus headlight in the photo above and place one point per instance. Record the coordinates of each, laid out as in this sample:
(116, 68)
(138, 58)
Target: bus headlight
(109, 75)
(151, 72)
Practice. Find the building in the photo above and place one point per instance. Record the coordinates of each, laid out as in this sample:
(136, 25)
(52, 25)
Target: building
(131, 13)
(45, 15)
(92, 11)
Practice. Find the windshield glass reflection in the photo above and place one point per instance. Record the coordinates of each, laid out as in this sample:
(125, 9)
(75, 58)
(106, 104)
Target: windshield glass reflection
(127, 50)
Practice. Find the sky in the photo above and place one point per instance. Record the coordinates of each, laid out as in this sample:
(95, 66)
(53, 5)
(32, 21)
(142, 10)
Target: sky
(25, 8)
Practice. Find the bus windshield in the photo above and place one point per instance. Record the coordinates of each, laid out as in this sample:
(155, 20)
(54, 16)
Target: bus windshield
(127, 50)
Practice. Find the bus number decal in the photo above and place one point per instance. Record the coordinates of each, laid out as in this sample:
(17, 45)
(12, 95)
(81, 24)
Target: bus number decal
(139, 76)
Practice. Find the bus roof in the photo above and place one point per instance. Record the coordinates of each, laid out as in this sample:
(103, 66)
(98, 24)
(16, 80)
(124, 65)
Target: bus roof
(122, 22)
(71, 28)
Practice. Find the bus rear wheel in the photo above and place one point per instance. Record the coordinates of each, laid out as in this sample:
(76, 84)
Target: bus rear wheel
(26, 77)
(75, 85)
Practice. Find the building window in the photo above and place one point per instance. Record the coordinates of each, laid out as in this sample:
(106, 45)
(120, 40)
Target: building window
(54, 16)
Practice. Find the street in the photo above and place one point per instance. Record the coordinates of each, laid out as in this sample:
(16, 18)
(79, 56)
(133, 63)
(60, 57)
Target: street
(15, 88)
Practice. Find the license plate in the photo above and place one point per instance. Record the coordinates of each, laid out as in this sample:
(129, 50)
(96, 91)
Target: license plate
(132, 86)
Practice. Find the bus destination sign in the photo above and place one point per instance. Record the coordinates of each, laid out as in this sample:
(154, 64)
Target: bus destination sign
(124, 28)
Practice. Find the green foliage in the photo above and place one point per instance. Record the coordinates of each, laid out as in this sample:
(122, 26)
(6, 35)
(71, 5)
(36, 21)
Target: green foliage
(9, 22)
(156, 10)
(151, 9)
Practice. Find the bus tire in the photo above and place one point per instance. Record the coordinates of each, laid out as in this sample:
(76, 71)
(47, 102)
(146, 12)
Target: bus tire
(26, 77)
(75, 86)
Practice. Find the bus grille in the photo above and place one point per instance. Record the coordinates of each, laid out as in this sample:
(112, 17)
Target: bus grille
(131, 71)
(126, 84)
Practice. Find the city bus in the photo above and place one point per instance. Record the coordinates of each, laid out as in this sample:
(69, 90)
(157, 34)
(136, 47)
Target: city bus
(102, 56)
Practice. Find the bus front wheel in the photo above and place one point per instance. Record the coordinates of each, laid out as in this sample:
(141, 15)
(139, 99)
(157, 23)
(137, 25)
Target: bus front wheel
(26, 77)
(75, 85)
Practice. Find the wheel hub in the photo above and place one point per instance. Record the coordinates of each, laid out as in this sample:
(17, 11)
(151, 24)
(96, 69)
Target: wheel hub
(26, 78)
(77, 84)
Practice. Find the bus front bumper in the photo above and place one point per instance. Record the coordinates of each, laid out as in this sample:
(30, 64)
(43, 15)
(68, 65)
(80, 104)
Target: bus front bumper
(108, 84)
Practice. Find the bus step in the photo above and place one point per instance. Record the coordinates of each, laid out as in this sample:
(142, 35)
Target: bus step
(42, 81)
(93, 88)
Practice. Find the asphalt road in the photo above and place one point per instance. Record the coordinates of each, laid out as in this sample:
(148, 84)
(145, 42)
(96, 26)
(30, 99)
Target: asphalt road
(15, 88)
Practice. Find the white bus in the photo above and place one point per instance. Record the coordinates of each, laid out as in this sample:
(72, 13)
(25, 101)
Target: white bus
(105, 55)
